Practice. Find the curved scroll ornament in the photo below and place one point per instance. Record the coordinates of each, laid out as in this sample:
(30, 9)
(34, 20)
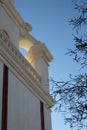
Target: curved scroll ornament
(4, 35)
(25, 29)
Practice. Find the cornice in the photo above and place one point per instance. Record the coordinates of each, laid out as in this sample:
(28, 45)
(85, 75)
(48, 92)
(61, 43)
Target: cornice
(39, 51)
(23, 27)
(47, 53)
(12, 12)
(23, 70)
(14, 15)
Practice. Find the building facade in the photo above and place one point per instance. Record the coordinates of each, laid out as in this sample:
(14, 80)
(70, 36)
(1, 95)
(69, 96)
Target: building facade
(25, 101)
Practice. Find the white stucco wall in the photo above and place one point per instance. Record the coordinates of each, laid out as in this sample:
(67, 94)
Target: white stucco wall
(44, 74)
(42, 68)
(23, 107)
(8, 25)
(1, 80)
(47, 118)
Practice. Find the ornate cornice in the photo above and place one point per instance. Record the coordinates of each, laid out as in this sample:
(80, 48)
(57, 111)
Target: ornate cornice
(39, 51)
(12, 12)
(15, 16)
(23, 27)
(23, 70)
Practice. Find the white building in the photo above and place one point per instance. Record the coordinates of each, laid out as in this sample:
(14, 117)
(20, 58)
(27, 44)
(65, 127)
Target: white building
(25, 101)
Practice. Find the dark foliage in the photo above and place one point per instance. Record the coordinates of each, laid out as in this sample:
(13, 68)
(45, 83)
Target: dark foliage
(71, 95)
(80, 52)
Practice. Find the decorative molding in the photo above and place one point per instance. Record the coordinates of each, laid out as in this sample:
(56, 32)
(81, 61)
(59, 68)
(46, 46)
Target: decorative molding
(13, 51)
(12, 12)
(10, 56)
(15, 16)
(39, 51)
(4, 35)
(25, 28)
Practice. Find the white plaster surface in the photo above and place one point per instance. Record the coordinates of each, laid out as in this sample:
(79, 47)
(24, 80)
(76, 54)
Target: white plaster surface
(1, 79)
(47, 118)
(23, 107)
(44, 74)
(42, 68)
(9, 26)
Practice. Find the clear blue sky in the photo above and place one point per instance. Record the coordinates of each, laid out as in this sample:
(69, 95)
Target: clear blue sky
(49, 20)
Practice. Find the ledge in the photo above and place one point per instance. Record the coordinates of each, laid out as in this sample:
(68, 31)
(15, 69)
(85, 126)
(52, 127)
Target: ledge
(39, 51)
(23, 70)
(13, 13)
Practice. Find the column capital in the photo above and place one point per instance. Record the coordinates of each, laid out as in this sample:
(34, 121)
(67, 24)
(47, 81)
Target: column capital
(38, 52)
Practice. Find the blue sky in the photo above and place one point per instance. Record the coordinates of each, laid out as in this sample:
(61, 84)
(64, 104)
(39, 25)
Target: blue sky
(49, 21)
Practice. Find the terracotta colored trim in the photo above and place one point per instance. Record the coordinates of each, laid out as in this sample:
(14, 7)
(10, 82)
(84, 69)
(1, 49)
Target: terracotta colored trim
(4, 98)
(42, 116)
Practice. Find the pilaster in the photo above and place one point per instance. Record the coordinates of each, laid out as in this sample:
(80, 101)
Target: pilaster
(39, 57)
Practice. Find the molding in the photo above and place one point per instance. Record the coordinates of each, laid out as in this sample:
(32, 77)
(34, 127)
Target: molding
(12, 12)
(39, 51)
(28, 36)
(21, 68)
(14, 15)
(46, 53)
(23, 27)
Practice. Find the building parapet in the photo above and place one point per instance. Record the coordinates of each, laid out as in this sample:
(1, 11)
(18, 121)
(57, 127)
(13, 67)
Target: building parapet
(12, 12)
(17, 63)
(20, 59)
